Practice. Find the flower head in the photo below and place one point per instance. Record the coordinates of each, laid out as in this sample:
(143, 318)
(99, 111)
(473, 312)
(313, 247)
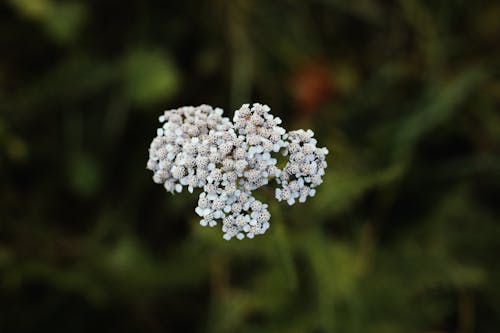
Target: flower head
(196, 147)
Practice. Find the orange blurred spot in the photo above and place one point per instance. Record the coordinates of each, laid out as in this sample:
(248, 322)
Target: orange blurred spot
(311, 86)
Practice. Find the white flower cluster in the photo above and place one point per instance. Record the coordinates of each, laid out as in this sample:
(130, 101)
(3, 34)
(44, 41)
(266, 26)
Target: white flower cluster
(199, 148)
(304, 170)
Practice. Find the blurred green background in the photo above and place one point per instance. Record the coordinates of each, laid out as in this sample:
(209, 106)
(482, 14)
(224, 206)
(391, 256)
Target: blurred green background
(403, 236)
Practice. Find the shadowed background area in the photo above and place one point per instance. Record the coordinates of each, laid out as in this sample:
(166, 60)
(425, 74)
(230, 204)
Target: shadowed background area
(403, 235)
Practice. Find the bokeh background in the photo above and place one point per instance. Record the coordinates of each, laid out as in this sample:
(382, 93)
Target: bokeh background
(403, 236)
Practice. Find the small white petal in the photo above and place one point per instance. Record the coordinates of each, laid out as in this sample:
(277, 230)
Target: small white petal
(199, 211)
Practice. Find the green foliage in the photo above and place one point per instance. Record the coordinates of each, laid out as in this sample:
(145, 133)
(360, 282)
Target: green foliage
(61, 20)
(148, 77)
(401, 237)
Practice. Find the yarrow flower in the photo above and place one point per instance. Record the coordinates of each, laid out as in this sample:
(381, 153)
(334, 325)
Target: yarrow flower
(196, 147)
